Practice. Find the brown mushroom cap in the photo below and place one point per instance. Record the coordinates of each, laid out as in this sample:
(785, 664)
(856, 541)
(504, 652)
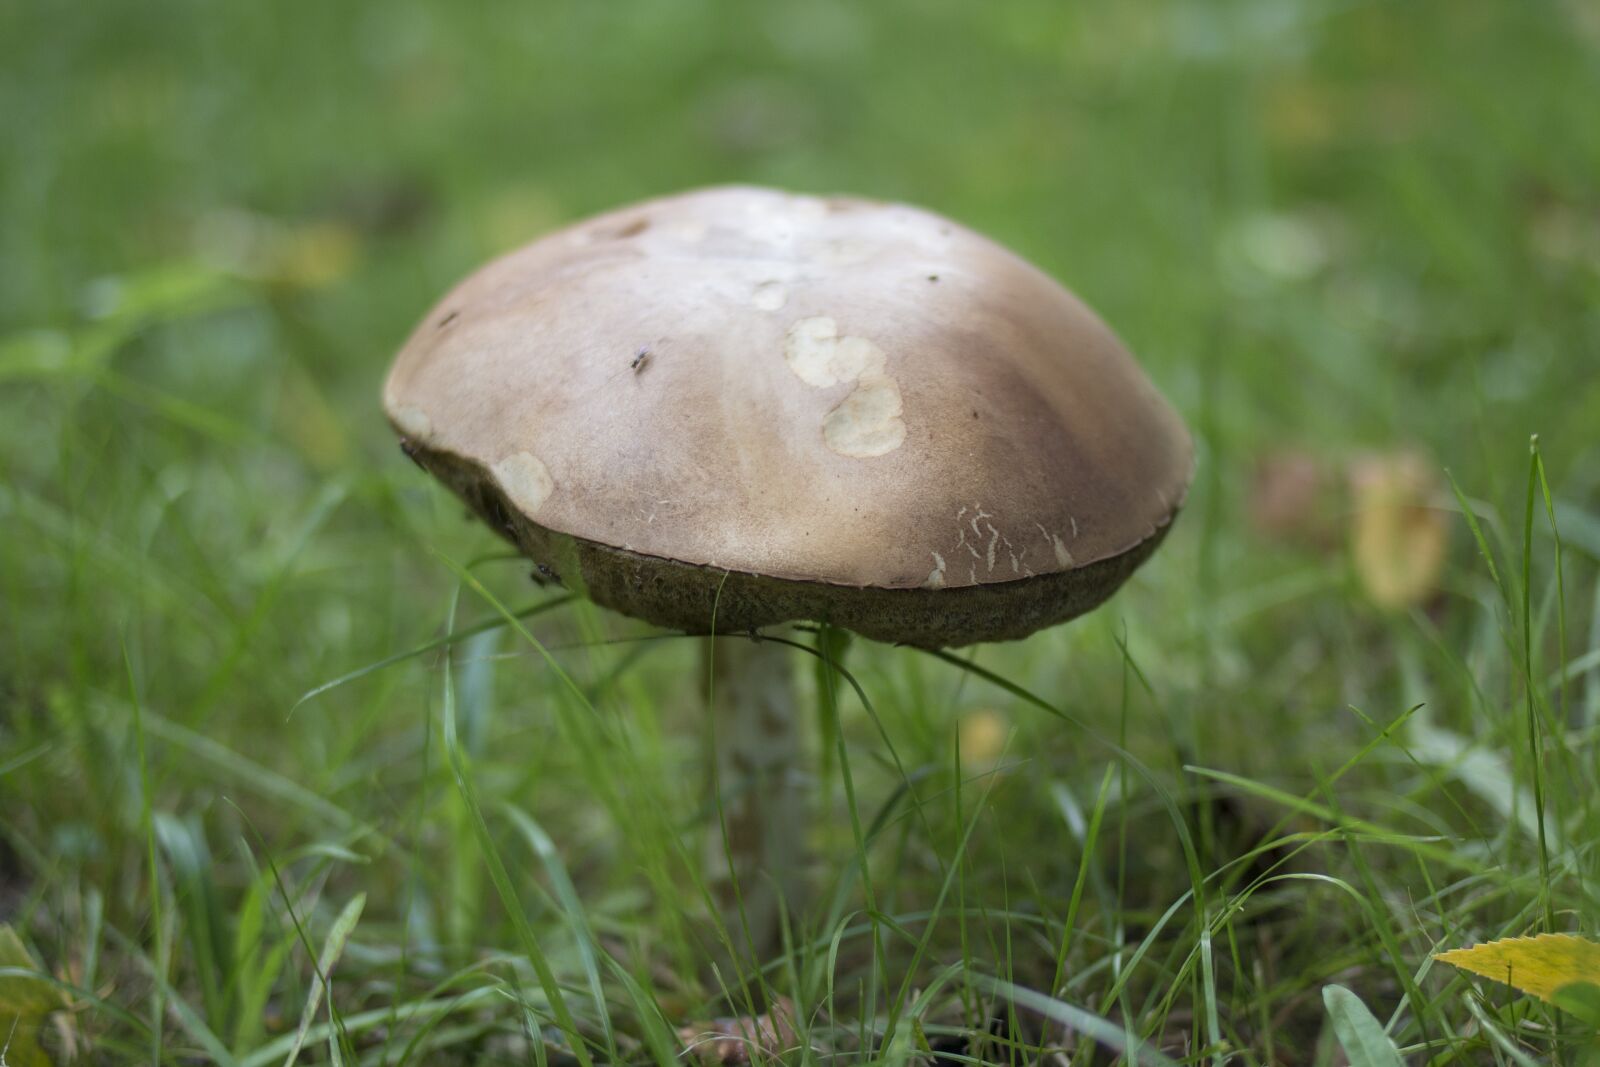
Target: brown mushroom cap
(775, 406)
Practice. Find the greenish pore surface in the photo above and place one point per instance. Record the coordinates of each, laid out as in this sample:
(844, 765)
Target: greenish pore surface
(255, 667)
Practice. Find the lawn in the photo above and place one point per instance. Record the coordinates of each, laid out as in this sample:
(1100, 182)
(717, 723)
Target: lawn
(274, 775)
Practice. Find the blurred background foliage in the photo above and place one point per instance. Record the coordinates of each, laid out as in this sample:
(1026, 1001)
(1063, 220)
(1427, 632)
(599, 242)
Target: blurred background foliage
(1341, 208)
(1356, 242)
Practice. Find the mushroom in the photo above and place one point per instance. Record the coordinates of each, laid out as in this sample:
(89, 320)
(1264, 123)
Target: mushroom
(737, 407)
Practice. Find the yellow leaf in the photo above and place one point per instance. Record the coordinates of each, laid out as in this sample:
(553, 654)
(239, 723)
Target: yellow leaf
(24, 1002)
(981, 739)
(314, 255)
(1398, 534)
(1538, 965)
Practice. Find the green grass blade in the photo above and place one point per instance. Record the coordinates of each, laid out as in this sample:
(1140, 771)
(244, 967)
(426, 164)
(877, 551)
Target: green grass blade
(196, 896)
(147, 828)
(424, 1012)
(460, 769)
(1101, 1030)
(572, 906)
(449, 639)
(1359, 1032)
(322, 982)
(1535, 744)
(247, 772)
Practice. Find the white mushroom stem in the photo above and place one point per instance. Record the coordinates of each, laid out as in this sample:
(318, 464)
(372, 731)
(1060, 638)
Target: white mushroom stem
(754, 853)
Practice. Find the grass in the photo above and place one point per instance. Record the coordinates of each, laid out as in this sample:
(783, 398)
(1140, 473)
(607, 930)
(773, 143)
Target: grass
(1328, 229)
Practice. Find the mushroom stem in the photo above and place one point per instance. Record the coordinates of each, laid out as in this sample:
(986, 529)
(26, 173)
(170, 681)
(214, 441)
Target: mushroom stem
(754, 853)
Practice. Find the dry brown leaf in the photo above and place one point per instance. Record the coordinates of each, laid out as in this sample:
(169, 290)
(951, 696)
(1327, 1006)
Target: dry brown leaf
(730, 1041)
(1292, 499)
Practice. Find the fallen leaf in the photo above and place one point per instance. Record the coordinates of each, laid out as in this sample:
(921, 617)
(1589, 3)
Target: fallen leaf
(25, 1000)
(981, 739)
(1292, 500)
(1398, 534)
(314, 255)
(730, 1041)
(1546, 965)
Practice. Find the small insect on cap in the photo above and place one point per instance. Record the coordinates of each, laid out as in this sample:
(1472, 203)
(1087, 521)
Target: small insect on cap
(736, 406)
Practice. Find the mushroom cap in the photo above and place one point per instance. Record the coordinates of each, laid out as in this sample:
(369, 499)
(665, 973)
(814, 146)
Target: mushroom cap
(779, 406)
